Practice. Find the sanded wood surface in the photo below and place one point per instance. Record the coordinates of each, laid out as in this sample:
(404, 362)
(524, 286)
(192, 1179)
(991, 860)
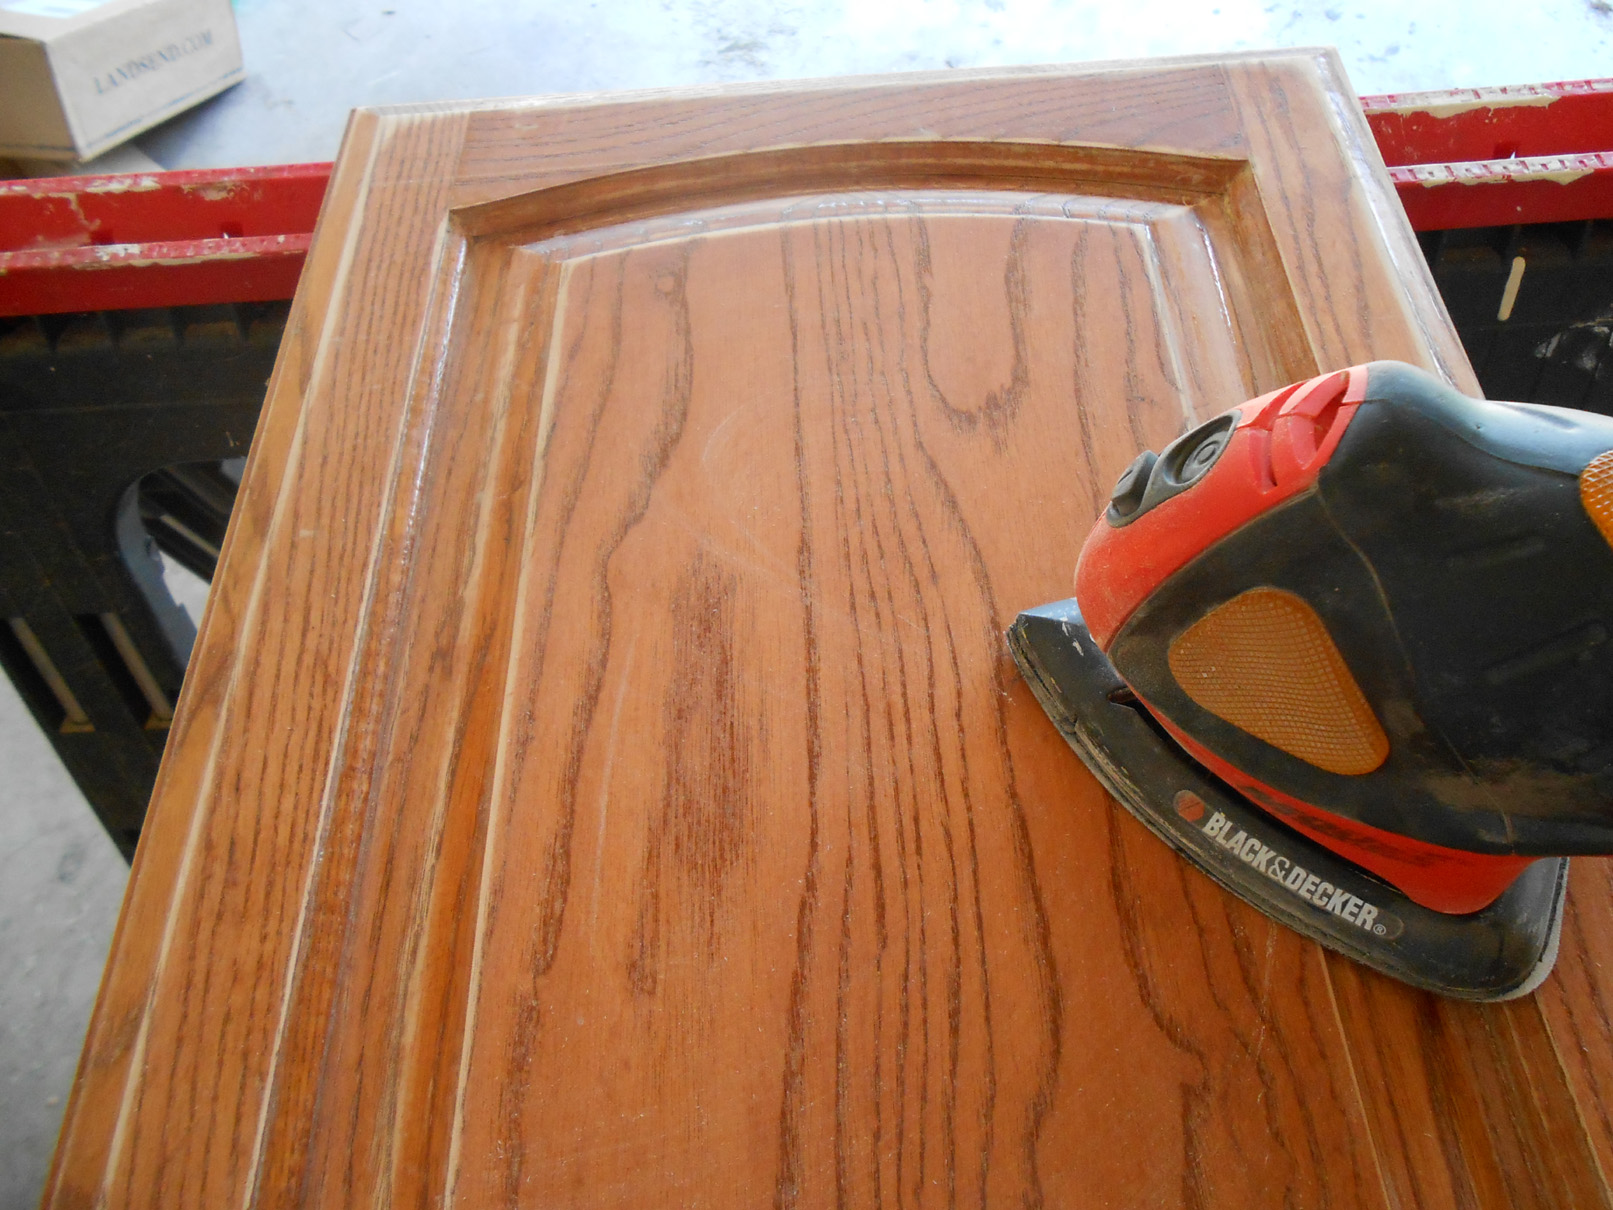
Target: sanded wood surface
(601, 780)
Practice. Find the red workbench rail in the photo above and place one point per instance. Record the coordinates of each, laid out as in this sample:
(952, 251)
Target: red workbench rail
(1489, 157)
(1476, 124)
(1478, 157)
(159, 239)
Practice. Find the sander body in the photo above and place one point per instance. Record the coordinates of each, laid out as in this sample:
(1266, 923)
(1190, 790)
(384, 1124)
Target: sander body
(1346, 648)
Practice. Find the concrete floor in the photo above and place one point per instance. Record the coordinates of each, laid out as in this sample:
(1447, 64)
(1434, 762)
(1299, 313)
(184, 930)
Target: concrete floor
(60, 885)
(310, 62)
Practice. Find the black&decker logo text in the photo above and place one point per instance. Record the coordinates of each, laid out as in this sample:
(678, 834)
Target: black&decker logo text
(1292, 877)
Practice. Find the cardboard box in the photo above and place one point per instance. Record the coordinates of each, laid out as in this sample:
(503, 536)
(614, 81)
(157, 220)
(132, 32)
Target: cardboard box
(80, 76)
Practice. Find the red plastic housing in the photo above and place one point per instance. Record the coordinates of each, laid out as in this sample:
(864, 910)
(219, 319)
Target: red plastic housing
(1442, 880)
(1282, 440)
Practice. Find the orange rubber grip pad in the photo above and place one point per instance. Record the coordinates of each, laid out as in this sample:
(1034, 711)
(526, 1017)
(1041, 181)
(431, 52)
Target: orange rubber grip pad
(1265, 663)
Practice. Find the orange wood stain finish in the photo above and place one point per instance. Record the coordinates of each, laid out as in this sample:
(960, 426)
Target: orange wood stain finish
(601, 780)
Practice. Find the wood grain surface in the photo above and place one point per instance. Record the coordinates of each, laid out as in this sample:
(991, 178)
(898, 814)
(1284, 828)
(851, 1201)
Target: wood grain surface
(602, 780)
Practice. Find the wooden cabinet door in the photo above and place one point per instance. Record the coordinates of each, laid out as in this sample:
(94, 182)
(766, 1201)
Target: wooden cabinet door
(602, 780)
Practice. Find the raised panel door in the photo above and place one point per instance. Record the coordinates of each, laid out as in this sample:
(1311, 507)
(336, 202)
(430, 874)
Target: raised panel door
(602, 780)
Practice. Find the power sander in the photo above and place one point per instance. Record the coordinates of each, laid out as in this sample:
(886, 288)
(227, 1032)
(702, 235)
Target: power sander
(1345, 648)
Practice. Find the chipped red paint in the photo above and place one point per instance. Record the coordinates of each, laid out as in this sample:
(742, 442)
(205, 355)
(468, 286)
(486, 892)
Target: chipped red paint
(1489, 157)
(1474, 157)
(156, 239)
(135, 208)
(1496, 193)
(1470, 124)
(114, 277)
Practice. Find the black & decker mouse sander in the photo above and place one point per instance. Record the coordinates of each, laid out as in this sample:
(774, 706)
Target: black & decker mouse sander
(1346, 648)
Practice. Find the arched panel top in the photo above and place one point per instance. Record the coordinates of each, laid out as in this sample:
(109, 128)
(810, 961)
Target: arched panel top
(1006, 166)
